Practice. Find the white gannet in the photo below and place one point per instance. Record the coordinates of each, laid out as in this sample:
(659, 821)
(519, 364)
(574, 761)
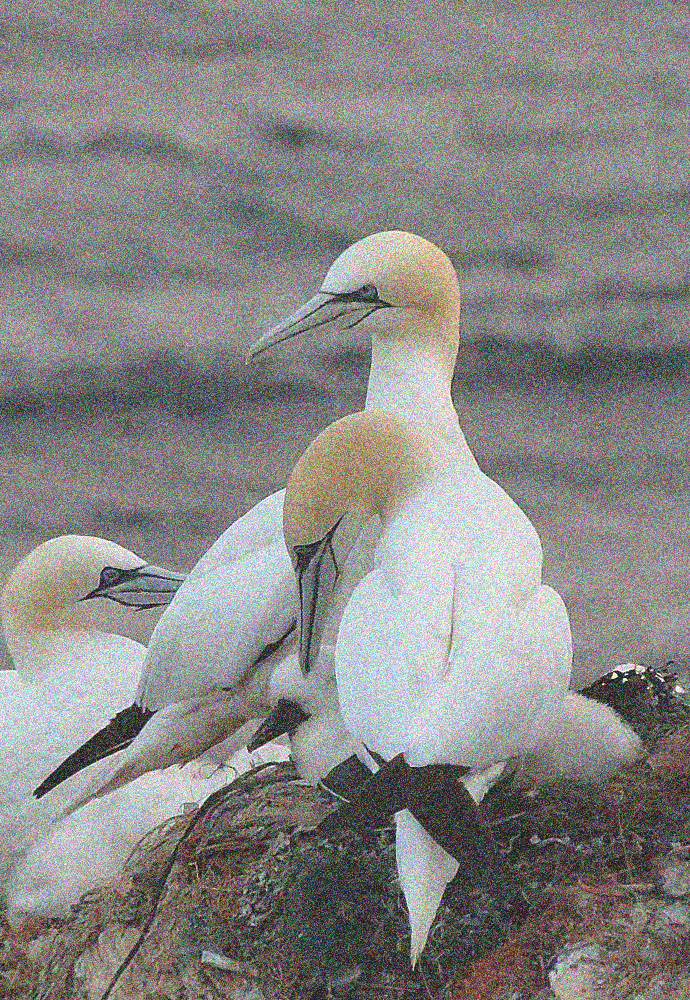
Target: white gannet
(208, 662)
(213, 652)
(450, 651)
(69, 677)
(43, 592)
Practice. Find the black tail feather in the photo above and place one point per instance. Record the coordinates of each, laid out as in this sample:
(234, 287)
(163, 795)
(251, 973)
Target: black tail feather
(442, 805)
(383, 794)
(345, 779)
(114, 736)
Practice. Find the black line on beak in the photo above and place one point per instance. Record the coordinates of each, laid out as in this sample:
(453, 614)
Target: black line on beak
(286, 335)
(304, 556)
(361, 319)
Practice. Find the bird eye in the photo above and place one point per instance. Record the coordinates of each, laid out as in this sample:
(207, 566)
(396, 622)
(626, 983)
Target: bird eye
(368, 293)
(109, 576)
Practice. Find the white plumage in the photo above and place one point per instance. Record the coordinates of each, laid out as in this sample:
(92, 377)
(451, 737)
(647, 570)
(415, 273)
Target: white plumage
(206, 671)
(70, 678)
(240, 598)
(407, 292)
(201, 672)
(450, 651)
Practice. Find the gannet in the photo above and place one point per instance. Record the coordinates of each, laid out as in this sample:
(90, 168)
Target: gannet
(40, 599)
(213, 652)
(69, 676)
(450, 651)
(203, 675)
(403, 291)
(208, 662)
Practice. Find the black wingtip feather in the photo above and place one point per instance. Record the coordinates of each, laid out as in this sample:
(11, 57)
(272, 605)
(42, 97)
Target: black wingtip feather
(442, 805)
(284, 718)
(114, 736)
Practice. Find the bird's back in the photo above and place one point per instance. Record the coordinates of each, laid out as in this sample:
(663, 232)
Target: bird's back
(451, 644)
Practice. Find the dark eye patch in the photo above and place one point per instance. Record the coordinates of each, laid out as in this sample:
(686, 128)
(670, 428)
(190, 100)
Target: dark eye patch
(109, 576)
(368, 293)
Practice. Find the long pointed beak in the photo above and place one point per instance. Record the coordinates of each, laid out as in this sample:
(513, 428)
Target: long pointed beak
(319, 311)
(324, 308)
(146, 587)
(317, 573)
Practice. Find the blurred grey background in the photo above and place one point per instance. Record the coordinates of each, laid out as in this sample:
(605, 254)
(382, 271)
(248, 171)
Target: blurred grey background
(177, 176)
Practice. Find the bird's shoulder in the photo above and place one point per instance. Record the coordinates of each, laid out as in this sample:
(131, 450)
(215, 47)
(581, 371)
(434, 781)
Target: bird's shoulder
(260, 528)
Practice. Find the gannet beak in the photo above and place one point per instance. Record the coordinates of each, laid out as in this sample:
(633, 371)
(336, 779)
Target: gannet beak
(145, 587)
(317, 572)
(324, 308)
(284, 718)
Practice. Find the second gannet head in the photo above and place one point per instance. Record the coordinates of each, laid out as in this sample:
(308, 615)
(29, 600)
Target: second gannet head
(63, 571)
(402, 287)
(364, 465)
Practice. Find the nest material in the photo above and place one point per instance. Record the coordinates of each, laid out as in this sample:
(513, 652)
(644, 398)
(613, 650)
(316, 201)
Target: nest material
(293, 915)
(280, 912)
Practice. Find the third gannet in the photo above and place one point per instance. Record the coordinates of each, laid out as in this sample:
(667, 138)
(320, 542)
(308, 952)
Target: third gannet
(68, 676)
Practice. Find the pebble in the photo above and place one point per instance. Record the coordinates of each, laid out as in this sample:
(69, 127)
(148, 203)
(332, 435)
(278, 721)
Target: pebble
(577, 971)
(672, 921)
(659, 989)
(675, 880)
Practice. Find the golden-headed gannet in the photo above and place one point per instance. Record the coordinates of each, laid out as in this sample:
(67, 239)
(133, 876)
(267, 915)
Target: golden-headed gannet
(403, 291)
(46, 588)
(68, 677)
(212, 654)
(450, 651)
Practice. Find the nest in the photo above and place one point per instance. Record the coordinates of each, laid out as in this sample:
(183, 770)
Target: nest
(246, 899)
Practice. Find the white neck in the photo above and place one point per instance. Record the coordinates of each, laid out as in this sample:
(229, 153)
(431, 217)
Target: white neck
(407, 380)
(33, 645)
(32, 652)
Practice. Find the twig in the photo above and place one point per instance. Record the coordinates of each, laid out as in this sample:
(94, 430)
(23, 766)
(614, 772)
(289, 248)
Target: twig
(507, 819)
(202, 811)
(617, 889)
(628, 866)
(425, 984)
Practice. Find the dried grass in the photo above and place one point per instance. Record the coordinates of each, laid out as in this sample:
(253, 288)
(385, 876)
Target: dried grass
(299, 915)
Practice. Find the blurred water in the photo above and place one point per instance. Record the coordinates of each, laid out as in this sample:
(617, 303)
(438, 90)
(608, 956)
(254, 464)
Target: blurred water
(177, 176)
